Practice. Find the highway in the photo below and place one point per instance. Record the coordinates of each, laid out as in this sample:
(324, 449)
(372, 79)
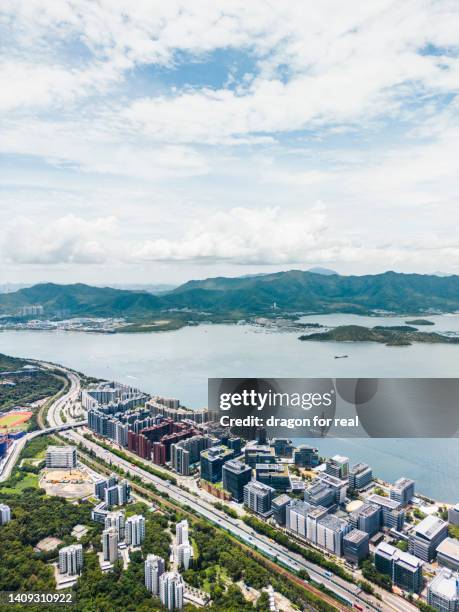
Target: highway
(54, 419)
(347, 591)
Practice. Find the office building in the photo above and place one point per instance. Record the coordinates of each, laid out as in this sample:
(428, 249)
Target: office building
(257, 453)
(330, 533)
(453, 515)
(426, 536)
(64, 457)
(182, 532)
(367, 518)
(360, 476)
(404, 569)
(338, 486)
(306, 457)
(235, 476)
(110, 544)
(393, 515)
(443, 591)
(135, 530)
(356, 546)
(296, 517)
(314, 515)
(71, 559)
(183, 554)
(283, 447)
(320, 494)
(338, 467)
(5, 514)
(258, 497)
(402, 491)
(279, 507)
(116, 520)
(154, 568)
(212, 461)
(274, 475)
(448, 554)
(171, 589)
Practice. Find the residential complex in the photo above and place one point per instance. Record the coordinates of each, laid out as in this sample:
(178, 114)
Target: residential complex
(5, 514)
(154, 568)
(171, 588)
(71, 559)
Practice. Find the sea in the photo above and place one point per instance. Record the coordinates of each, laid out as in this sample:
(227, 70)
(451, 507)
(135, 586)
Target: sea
(178, 364)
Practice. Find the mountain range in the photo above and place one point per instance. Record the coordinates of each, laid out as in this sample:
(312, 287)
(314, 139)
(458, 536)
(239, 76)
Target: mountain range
(282, 292)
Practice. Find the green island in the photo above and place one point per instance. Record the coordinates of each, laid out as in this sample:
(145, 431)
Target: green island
(420, 322)
(397, 335)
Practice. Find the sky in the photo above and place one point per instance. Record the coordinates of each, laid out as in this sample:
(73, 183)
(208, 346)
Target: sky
(155, 142)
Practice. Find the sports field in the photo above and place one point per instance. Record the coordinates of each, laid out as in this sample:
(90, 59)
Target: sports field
(14, 419)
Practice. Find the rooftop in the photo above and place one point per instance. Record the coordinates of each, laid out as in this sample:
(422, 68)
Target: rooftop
(216, 452)
(403, 482)
(446, 584)
(430, 527)
(356, 536)
(236, 466)
(333, 522)
(450, 548)
(258, 486)
(391, 552)
(359, 467)
(281, 500)
(380, 500)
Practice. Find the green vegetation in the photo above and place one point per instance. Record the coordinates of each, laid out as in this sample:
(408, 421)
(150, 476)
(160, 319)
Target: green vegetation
(219, 299)
(34, 517)
(395, 336)
(402, 545)
(454, 531)
(220, 563)
(27, 388)
(418, 514)
(372, 575)
(227, 509)
(307, 553)
(420, 322)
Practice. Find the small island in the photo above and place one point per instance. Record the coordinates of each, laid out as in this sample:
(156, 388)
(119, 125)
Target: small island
(397, 335)
(420, 322)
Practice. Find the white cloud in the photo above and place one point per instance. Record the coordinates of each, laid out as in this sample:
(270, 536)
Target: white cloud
(68, 239)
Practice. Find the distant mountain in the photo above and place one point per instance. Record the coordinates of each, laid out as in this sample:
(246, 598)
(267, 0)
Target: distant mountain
(293, 291)
(319, 270)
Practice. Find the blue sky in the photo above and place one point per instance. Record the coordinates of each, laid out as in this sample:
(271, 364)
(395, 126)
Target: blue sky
(184, 140)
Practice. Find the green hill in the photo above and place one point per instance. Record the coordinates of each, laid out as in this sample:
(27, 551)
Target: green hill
(282, 292)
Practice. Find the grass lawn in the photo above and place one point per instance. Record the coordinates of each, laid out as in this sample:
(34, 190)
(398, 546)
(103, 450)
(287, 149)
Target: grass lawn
(26, 480)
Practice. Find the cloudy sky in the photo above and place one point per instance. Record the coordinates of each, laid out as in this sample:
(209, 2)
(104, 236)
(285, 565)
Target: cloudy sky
(156, 141)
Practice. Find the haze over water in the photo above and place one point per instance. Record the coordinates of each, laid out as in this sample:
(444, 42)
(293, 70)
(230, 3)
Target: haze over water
(178, 364)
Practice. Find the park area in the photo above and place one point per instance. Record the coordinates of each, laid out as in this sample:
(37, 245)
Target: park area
(14, 420)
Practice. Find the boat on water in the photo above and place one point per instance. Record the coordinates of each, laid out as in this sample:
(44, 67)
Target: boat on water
(341, 356)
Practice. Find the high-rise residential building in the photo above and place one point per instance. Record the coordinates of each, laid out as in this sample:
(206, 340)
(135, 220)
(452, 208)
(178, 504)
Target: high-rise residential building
(306, 456)
(116, 520)
(404, 569)
(453, 515)
(443, 591)
(355, 546)
(330, 533)
(426, 536)
(183, 554)
(360, 476)
(135, 530)
(402, 491)
(258, 497)
(338, 467)
(110, 544)
(235, 476)
(5, 514)
(367, 518)
(64, 457)
(279, 507)
(448, 554)
(283, 447)
(274, 475)
(171, 588)
(118, 494)
(393, 515)
(187, 452)
(212, 461)
(71, 559)
(154, 568)
(182, 532)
